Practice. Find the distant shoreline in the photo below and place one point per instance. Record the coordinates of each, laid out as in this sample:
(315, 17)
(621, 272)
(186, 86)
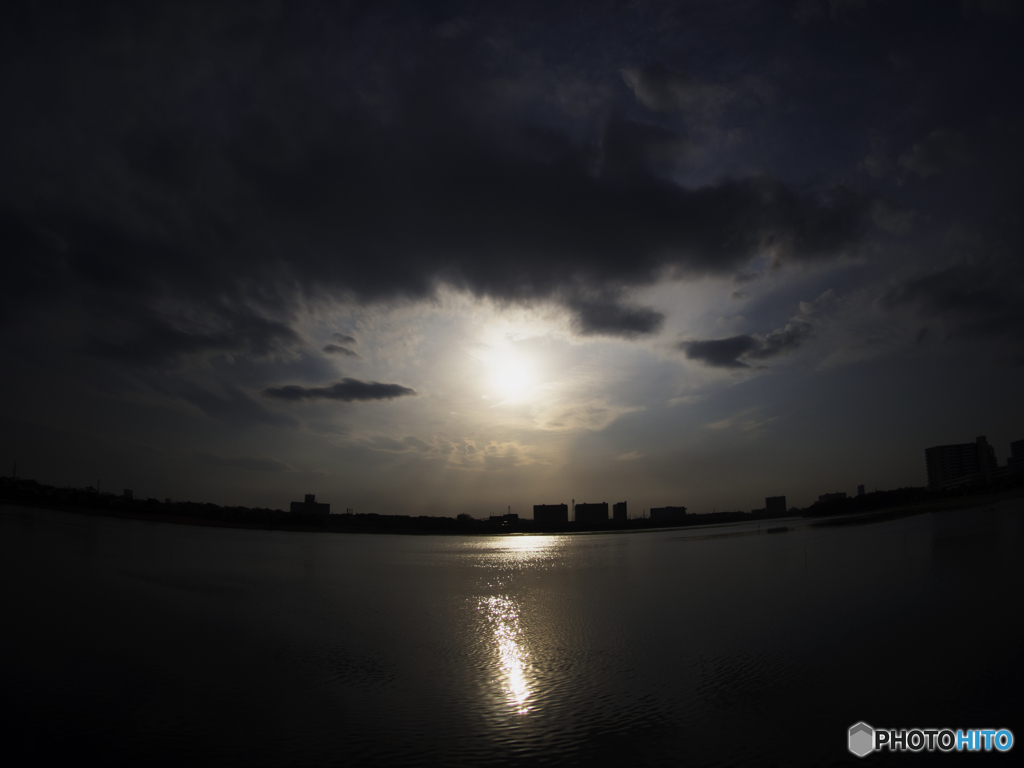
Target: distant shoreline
(805, 521)
(908, 510)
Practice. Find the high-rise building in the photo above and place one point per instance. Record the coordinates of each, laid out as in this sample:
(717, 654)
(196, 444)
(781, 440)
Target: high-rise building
(550, 513)
(860, 490)
(592, 513)
(310, 506)
(619, 511)
(1016, 451)
(775, 505)
(950, 465)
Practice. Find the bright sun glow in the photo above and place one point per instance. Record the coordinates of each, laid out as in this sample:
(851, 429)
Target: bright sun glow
(512, 376)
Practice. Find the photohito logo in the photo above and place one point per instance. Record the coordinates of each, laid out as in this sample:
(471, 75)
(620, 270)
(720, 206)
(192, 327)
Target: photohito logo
(863, 739)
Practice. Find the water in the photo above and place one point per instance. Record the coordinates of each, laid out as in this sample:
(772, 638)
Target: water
(155, 644)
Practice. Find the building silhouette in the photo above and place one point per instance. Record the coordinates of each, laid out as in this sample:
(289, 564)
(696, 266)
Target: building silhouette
(775, 505)
(667, 513)
(551, 513)
(839, 496)
(619, 511)
(592, 513)
(310, 506)
(1016, 452)
(952, 465)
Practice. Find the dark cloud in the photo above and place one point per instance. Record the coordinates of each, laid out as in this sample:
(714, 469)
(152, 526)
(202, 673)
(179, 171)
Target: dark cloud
(663, 90)
(720, 353)
(234, 408)
(607, 317)
(965, 299)
(727, 353)
(893, 218)
(251, 463)
(336, 349)
(877, 163)
(344, 338)
(34, 265)
(999, 10)
(810, 10)
(154, 339)
(940, 150)
(746, 277)
(346, 390)
(630, 151)
(781, 340)
(225, 198)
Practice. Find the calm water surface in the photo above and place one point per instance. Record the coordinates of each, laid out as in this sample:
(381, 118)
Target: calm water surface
(149, 644)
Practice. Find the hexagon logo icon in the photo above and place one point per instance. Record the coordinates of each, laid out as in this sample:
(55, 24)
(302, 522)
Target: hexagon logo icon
(862, 739)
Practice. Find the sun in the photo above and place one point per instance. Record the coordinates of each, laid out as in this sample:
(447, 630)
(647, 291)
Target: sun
(512, 376)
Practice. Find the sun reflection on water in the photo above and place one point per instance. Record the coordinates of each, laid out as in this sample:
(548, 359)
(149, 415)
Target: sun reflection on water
(503, 615)
(507, 558)
(519, 552)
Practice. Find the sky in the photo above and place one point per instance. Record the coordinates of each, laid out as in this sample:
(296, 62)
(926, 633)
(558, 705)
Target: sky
(465, 257)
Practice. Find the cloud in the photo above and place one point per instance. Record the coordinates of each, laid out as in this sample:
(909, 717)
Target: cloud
(940, 150)
(727, 353)
(383, 443)
(631, 150)
(234, 408)
(417, 444)
(335, 349)
(580, 98)
(893, 218)
(664, 90)
(720, 353)
(746, 277)
(781, 340)
(999, 10)
(492, 462)
(742, 421)
(250, 463)
(805, 11)
(158, 340)
(964, 299)
(205, 233)
(35, 265)
(826, 299)
(346, 390)
(876, 164)
(606, 317)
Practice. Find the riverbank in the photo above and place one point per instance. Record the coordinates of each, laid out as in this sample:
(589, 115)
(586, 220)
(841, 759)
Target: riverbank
(210, 515)
(908, 510)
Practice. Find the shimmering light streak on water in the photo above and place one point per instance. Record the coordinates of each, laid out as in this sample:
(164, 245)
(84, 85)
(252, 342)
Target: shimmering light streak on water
(517, 552)
(503, 616)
